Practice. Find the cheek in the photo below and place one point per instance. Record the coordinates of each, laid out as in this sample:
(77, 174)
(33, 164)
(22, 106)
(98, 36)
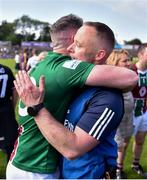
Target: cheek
(120, 64)
(146, 56)
(79, 54)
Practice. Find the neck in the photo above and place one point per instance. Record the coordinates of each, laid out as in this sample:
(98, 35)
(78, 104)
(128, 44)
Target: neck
(60, 51)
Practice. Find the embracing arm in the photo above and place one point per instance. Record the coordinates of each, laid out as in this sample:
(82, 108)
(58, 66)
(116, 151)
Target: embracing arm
(112, 76)
(69, 144)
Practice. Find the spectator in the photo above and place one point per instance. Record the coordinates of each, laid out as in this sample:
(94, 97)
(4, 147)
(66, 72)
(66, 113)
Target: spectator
(17, 61)
(8, 99)
(32, 61)
(140, 110)
(24, 59)
(42, 55)
(35, 60)
(125, 129)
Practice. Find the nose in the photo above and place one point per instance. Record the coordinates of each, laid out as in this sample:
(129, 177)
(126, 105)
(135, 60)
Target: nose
(70, 49)
(128, 62)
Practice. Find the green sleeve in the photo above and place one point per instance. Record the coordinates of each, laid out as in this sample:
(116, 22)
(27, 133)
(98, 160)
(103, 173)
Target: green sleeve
(73, 73)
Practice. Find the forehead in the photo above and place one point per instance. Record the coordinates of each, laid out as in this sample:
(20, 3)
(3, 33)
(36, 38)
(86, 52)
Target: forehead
(124, 56)
(86, 31)
(87, 36)
(145, 51)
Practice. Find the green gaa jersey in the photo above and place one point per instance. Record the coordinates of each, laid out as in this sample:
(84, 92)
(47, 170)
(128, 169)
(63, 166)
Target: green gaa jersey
(62, 76)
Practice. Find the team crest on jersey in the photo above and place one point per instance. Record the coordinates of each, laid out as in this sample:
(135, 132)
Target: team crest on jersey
(71, 64)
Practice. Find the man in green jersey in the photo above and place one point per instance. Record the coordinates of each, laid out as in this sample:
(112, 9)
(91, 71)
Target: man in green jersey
(33, 156)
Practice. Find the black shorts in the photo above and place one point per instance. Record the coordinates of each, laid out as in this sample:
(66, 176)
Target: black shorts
(8, 150)
(17, 66)
(8, 128)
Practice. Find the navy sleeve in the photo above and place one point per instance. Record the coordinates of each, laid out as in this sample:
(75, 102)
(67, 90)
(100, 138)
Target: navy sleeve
(11, 77)
(103, 113)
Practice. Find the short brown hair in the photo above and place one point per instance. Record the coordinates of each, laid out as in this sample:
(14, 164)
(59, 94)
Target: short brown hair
(103, 31)
(62, 30)
(66, 22)
(142, 47)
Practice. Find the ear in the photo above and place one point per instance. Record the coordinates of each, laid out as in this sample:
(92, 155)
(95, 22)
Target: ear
(100, 55)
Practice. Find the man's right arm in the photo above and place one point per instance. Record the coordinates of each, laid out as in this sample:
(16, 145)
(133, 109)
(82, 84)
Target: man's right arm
(112, 76)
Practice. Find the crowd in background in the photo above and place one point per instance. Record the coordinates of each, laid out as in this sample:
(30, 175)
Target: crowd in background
(26, 60)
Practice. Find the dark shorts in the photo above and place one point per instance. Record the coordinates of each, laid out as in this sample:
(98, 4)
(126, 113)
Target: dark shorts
(8, 150)
(17, 66)
(8, 128)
